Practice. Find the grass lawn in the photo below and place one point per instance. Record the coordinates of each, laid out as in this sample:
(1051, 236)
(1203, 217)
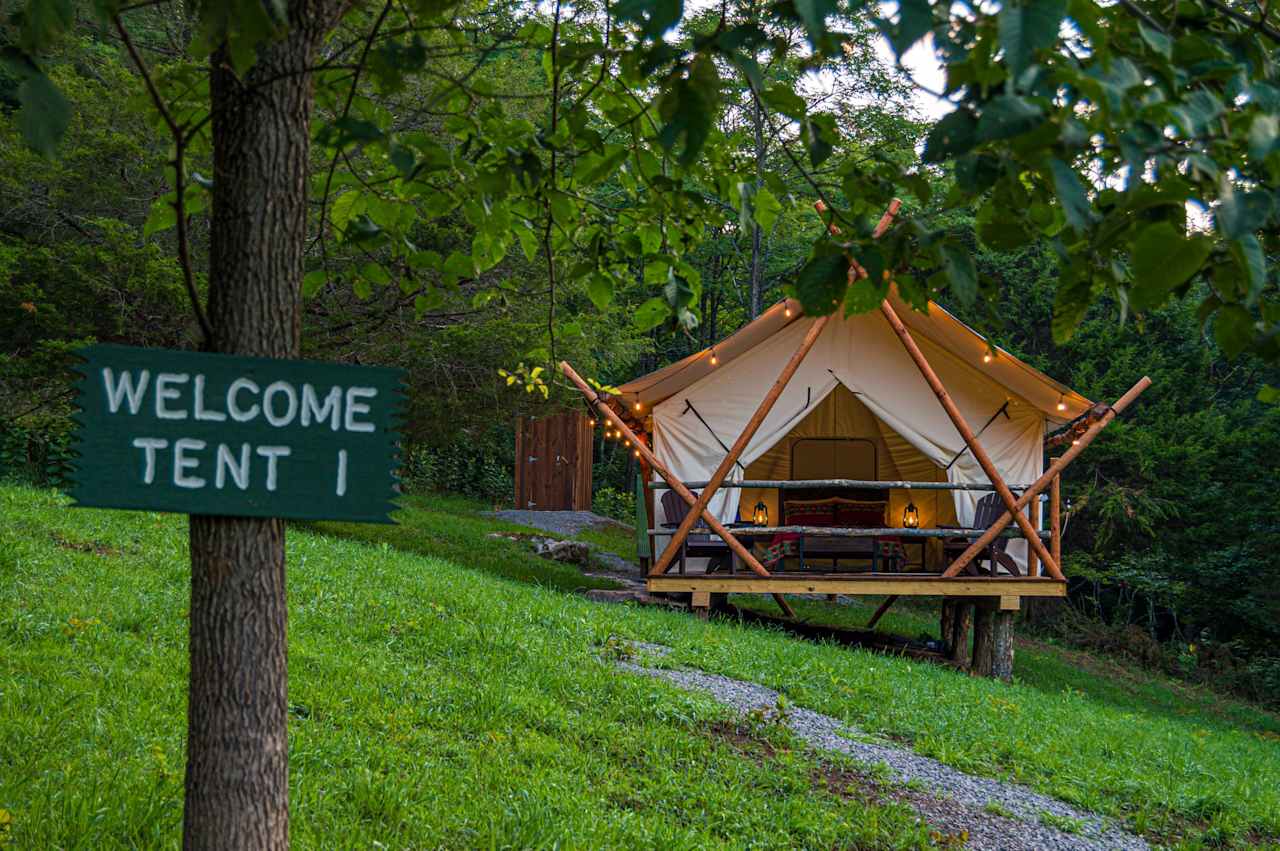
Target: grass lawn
(436, 702)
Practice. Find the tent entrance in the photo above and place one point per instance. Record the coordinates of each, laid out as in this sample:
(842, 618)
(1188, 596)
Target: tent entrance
(842, 439)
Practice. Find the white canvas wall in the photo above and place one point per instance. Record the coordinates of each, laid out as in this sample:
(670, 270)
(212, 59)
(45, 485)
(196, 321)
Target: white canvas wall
(864, 355)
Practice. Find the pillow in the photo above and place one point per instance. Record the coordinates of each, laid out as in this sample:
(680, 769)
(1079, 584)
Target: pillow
(860, 514)
(815, 513)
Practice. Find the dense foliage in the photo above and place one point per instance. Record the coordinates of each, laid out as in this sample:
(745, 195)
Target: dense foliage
(499, 185)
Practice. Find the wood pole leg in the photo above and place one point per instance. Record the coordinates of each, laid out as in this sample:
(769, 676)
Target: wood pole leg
(701, 603)
(983, 640)
(970, 439)
(1055, 518)
(739, 445)
(670, 478)
(1044, 481)
(946, 623)
(879, 613)
(1033, 561)
(958, 639)
(1002, 645)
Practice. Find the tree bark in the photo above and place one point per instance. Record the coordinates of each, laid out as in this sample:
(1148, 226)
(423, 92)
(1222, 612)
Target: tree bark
(983, 640)
(237, 780)
(757, 233)
(957, 635)
(1002, 646)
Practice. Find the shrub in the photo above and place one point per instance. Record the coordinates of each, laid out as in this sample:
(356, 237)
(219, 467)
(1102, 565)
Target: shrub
(611, 502)
(37, 455)
(460, 468)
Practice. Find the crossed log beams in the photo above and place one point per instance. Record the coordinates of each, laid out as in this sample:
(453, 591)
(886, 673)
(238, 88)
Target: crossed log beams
(931, 378)
(605, 411)
(1050, 477)
(739, 445)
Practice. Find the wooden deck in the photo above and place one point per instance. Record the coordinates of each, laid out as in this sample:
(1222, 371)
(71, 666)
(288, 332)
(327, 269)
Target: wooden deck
(900, 584)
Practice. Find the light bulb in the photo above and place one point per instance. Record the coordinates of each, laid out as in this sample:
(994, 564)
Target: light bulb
(1075, 442)
(714, 360)
(626, 443)
(638, 406)
(637, 453)
(1062, 406)
(787, 312)
(986, 357)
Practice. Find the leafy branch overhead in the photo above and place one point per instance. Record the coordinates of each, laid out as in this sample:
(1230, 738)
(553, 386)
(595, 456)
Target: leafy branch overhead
(1141, 141)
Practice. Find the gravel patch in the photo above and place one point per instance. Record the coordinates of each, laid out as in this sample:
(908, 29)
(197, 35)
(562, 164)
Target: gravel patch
(567, 523)
(951, 801)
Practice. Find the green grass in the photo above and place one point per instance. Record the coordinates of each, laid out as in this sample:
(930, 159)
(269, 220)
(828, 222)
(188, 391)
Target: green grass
(431, 706)
(437, 703)
(456, 529)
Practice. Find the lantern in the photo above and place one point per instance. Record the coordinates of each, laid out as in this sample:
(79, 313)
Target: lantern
(911, 516)
(761, 514)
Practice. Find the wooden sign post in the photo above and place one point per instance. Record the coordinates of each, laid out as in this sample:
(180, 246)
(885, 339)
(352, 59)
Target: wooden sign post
(223, 435)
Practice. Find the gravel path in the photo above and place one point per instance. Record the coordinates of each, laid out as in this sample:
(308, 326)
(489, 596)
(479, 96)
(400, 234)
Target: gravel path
(567, 523)
(951, 801)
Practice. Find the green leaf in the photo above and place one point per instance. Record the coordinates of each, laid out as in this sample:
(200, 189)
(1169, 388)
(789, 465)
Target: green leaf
(1156, 40)
(651, 314)
(766, 208)
(1070, 303)
(600, 290)
(655, 17)
(160, 217)
(375, 274)
(313, 281)
(1071, 193)
(598, 167)
(915, 18)
(783, 99)
(1262, 135)
(962, 276)
(43, 21)
(1027, 27)
(45, 114)
(1233, 330)
(689, 108)
(821, 283)
(814, 14)
(820, 136)
(1269, 395)
(1162, 259)
(954, 134)
(1007, 116)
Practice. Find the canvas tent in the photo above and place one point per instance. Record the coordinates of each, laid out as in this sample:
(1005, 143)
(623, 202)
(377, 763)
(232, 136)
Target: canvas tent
(856, 383)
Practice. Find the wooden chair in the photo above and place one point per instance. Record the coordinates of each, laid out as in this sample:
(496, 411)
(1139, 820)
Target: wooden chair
(699, 543)
(987, 512)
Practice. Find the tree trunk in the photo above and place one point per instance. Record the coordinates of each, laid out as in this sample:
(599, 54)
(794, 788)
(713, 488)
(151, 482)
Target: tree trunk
(983, 640)
(1002, 646)
(757, 233)
(237, 780)
(957, 635)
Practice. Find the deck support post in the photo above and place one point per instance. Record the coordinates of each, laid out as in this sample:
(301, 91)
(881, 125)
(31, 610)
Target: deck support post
(1002, 645)
(671, 479)
(739, 445)
(1055, 517)
(983, 640)
(957, 633)
(1041, 483)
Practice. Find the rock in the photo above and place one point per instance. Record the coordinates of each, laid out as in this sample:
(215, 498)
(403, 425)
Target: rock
(570, 552)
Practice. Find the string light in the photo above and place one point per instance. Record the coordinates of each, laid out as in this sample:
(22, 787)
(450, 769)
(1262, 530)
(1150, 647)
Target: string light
(592, 422)
(638, 406)
(1075, 442)
(637, 453)
(714, 360)
(986, 356)
(1062, 405)
(626, 442)
(787, 312)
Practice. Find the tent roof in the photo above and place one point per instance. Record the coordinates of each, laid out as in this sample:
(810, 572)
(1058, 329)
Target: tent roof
(938, 325)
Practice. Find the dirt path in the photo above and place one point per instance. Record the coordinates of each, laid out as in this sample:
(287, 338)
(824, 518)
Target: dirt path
(994, 814)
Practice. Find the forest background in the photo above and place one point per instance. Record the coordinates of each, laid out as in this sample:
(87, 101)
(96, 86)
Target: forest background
(1175, 521)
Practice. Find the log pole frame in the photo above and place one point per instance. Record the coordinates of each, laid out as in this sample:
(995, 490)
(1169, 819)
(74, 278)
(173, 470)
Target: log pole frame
(672, 549)
(1050, 475)
(608, 413)
(970, 439)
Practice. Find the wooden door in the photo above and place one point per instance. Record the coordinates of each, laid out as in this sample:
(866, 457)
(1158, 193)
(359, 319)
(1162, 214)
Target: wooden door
(553, 463)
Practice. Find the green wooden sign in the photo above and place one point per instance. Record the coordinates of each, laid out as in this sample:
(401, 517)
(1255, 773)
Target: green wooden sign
(217, 434)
